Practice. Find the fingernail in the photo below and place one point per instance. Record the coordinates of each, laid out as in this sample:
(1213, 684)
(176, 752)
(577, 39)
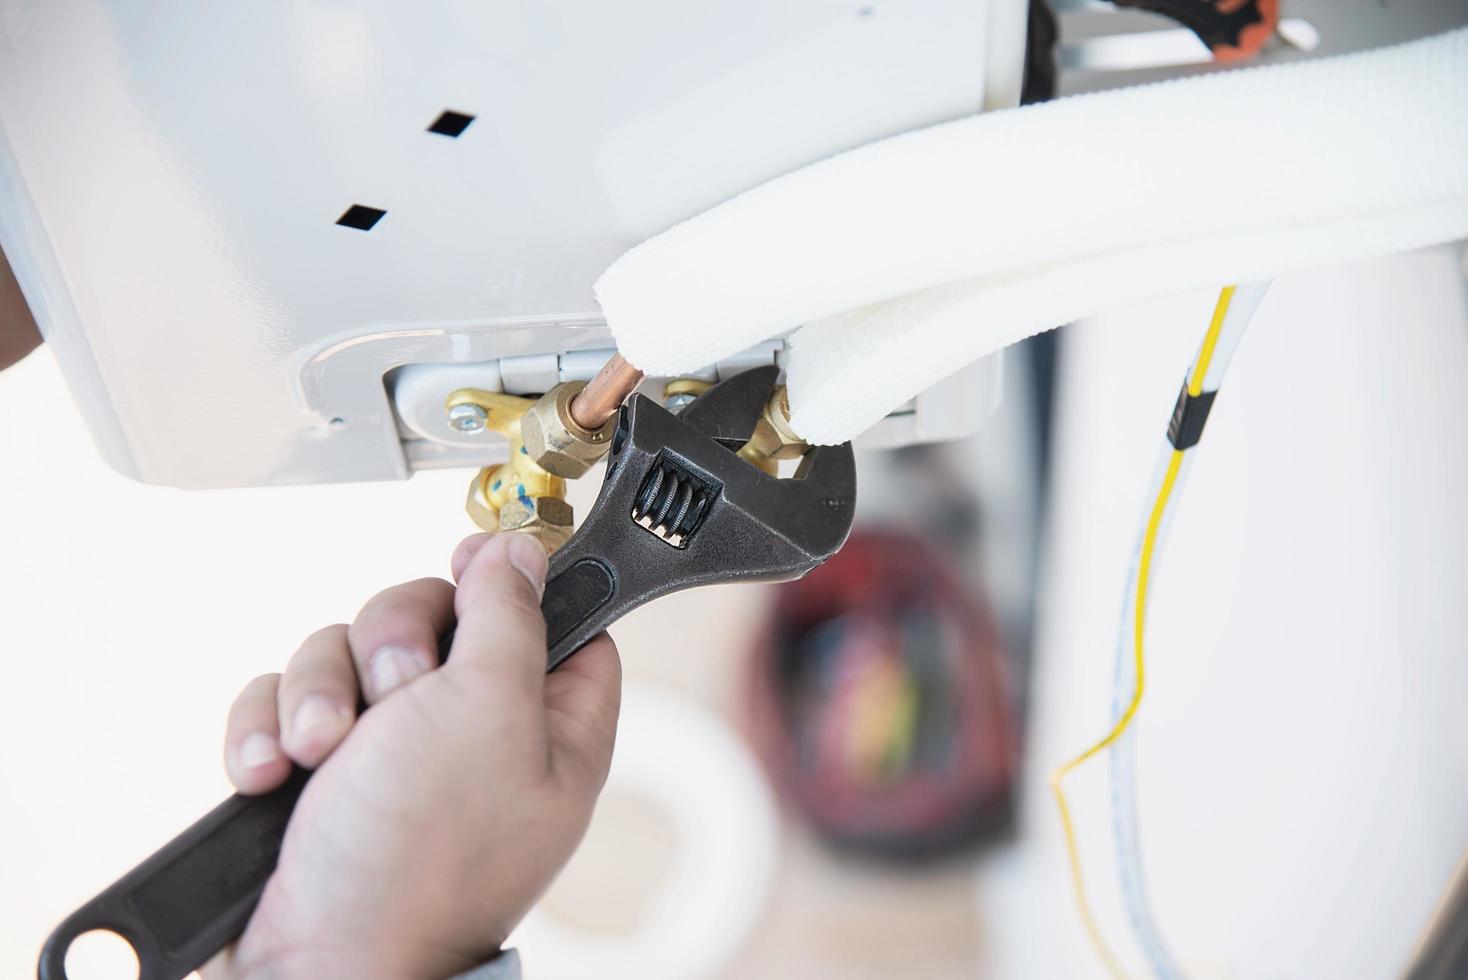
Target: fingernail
(529, 558)
(392, 667)
(258, 749)
(316, 711)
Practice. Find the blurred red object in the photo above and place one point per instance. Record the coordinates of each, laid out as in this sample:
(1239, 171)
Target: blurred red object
(879, 702)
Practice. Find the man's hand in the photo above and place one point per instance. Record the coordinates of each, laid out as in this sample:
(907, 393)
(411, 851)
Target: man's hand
(436, 819)
(18, 333)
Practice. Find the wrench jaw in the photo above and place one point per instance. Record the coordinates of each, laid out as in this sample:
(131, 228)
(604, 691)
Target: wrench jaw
(816, 507)
(745, 526)
(728, 412)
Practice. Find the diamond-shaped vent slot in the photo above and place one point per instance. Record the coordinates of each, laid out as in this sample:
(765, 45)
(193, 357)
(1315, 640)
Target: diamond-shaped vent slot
(451, 124)
(360, 217)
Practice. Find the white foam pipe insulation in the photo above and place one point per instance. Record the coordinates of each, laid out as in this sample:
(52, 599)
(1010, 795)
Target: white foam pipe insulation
(899, 262)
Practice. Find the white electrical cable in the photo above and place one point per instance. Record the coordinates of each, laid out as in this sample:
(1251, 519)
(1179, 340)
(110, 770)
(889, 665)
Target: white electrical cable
(1136, 899)
(901, 261)
(1125, 834)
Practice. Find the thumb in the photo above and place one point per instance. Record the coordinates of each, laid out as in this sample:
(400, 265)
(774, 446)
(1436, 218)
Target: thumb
(499, 642)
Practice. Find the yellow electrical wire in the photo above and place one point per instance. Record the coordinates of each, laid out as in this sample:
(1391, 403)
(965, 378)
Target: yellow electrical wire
(1210, 340)
(1144, 567)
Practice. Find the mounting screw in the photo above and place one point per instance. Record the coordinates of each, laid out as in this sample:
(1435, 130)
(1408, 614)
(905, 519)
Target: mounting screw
(468, 418)
(679, 393)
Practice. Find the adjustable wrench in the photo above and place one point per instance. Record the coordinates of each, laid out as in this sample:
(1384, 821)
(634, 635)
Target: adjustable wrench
(677, 509)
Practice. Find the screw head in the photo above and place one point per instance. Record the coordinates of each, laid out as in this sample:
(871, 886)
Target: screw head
(468, 418)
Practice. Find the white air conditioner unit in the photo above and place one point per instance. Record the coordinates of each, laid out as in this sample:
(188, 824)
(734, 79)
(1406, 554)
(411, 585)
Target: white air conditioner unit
(264, 241)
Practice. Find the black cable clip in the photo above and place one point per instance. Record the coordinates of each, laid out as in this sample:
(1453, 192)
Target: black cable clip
(1185, 427)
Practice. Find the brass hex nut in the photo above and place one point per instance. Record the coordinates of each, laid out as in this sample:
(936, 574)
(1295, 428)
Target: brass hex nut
(550, 520)
(555, 441)
(773, 439)
(477, 505)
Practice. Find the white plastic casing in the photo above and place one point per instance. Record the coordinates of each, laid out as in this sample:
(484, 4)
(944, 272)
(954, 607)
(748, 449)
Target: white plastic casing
(171, 175)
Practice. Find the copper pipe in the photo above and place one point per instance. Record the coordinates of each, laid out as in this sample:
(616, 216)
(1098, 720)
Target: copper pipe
(604, 394)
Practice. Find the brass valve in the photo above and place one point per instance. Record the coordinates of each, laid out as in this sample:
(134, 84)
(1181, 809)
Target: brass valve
(556, 437)
(519, 494)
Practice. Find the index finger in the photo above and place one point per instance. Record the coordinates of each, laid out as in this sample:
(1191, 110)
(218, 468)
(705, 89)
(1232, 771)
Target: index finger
(466, 551)
(395, 636)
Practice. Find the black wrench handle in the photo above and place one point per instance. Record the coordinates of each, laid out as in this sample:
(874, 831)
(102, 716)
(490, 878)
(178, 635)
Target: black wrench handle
(194, 896)
(191, 898)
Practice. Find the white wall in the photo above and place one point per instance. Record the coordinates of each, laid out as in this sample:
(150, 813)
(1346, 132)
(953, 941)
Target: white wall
(1304, 752)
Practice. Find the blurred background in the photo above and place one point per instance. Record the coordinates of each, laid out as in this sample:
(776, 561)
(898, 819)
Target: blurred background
(845, 777)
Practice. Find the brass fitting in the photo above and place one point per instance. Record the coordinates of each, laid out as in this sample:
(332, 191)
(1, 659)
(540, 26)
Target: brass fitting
(518, 495)
(549, 519)
(556, 441)
(485, 515)
(773, 439)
